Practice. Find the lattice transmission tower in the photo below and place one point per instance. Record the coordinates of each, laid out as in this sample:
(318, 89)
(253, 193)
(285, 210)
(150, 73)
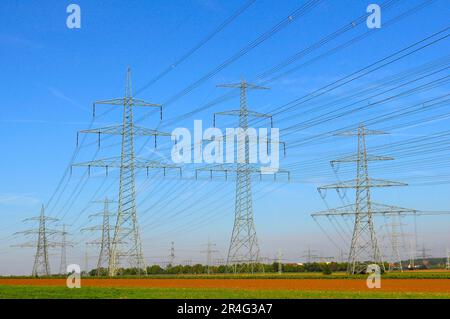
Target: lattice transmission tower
(396, 238)
(364, 247)
(209, 253)
(447, 262)
(244, 247)
(41, 265)
(126, 241)
(172, 254)
(104, 242)
(64, 244)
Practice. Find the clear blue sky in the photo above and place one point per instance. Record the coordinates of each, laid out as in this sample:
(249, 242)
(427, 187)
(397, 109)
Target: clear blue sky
(50, 75)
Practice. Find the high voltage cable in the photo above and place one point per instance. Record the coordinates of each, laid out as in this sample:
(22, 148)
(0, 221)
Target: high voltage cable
(196, 47)
(302, 10)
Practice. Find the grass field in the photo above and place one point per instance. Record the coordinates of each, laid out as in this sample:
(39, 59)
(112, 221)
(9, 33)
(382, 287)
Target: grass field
(29, 292)
(424, 284)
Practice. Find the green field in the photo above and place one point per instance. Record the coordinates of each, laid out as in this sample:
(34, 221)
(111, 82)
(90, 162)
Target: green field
(31, 292)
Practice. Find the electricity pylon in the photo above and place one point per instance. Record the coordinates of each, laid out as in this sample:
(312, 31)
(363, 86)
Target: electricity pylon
(412, 255)
(309, 254)
(279, 262)
(209, 252)
(364, 246)
(172, 254)
(425, 255)
(64, 244)
(105, 241)
(41, 264)
(126, 241)
(447, 263)
(396, 259)
(244, 247)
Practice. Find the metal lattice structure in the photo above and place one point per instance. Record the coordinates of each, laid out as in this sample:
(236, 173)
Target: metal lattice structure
(105, 238)
(395, 262)
(447, 263)
(244, 247)
(172, 254)
(64, 245)
(364, 246)
(209, 252)
(126, 241)
(41, 265)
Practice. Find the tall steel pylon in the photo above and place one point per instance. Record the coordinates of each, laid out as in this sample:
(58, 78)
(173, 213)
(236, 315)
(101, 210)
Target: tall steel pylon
(244, 247)
(41, 265)
(126, 241)
(364, 247)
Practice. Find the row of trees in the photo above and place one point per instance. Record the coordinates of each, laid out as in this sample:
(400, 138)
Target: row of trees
(326, 268)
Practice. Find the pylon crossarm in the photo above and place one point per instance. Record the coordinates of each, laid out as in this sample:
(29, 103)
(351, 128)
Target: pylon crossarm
(39, 218)
(357, 131)
(126, 101)
(116, 162)
(101, 214)
(118, 130)
(36, 231)
(377, 209)
(371, 182)
(25, 245)
(93, 228)
(243, 85)
(354, 158)
(231, 168)
(239, 113)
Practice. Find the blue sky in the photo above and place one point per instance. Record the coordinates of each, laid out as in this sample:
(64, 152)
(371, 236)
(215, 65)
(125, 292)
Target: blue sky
(51, 75)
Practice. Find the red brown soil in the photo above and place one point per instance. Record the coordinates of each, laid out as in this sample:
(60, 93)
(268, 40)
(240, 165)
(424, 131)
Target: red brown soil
(400, 285)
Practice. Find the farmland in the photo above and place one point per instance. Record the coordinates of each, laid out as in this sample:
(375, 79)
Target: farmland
(426, 284)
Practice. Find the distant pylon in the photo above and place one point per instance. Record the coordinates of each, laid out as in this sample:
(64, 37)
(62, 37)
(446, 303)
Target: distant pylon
(126, 241)
(309, 254)
(172, 254)
(209, 252)
(412, 255)
(280, 265)
(447, 263)
(396, 259)
(64, 244)
(41, 265)
(425, 255)
(105, 241)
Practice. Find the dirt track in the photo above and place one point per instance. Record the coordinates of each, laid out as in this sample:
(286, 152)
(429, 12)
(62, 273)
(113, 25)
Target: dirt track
(403, 285)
